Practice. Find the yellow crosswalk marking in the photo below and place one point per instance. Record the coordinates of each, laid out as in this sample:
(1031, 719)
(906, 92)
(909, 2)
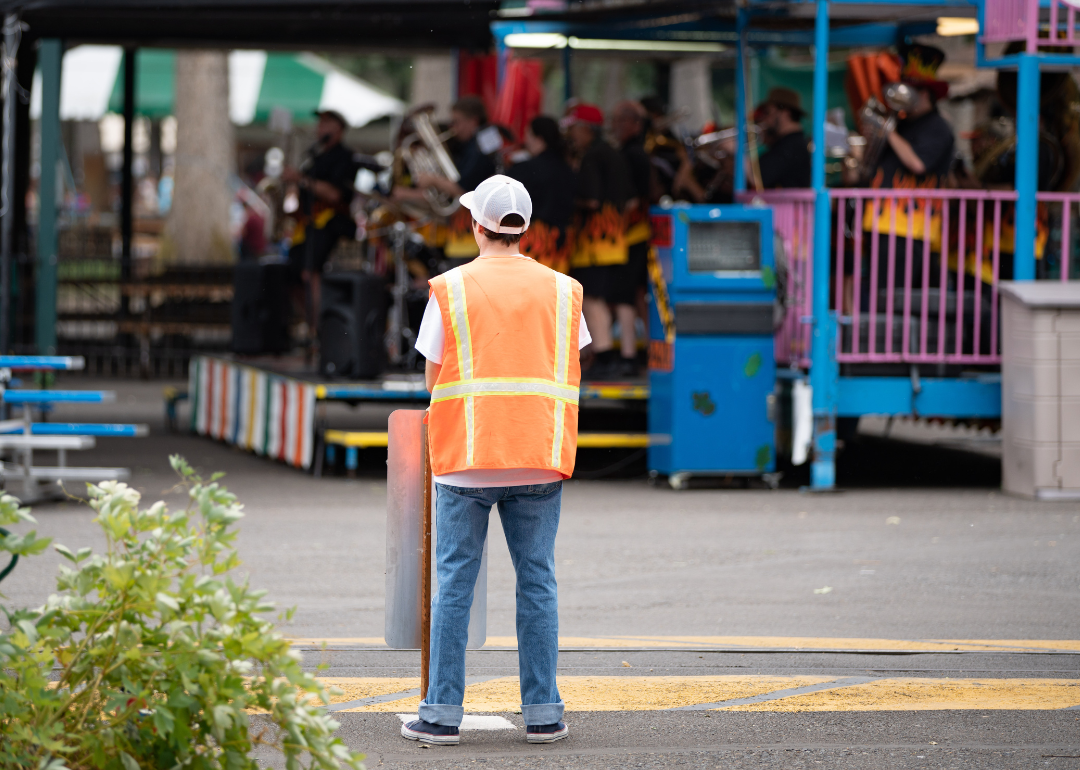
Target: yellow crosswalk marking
(752, 642)
(355, 688)
(617, 693)
(651, 693)
(911, 694)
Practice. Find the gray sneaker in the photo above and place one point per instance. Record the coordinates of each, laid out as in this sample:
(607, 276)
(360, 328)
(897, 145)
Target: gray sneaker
(432, 735)
(546, 733)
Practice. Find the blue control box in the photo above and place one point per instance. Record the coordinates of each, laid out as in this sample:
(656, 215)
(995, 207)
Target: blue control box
(712, 369)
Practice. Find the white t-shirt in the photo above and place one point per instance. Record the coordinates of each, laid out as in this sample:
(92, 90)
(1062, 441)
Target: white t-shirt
(430, 341)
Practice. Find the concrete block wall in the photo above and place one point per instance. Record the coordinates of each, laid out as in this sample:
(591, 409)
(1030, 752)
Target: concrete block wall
(1041, 389)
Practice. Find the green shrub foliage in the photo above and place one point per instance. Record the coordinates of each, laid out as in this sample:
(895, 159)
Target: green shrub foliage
(150, 655)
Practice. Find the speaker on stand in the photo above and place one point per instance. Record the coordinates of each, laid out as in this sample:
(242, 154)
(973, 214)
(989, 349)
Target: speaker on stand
(260, 308)
(352, 326)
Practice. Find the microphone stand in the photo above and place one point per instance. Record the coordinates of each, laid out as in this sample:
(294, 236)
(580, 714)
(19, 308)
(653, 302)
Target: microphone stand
(311, 313)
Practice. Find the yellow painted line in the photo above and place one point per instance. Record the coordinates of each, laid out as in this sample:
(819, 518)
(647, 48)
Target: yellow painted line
(846, 643)
(585, 440)
(611, 440)
(754, 642)
(616, 392)
(320, 391)
(349, 688)
(911, 694)
(356, 438)
(1068, 645)
(615, 693)
(332, 641)
(653, 693)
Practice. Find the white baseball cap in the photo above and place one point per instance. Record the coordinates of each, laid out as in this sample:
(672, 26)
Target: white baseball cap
(496, 197)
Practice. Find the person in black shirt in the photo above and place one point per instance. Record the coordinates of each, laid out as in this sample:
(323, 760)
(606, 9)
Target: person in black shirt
(919, 154)
(921, 149)
(326, 190)
(550, 182)
(628, 294)
(787, 163)
(599, 253)
(468, 117)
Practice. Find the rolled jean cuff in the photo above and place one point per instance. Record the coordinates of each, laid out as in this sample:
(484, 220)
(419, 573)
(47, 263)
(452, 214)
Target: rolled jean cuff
(541, 713)
(442, 714)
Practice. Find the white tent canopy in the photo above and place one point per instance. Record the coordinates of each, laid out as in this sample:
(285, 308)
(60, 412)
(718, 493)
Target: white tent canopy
(258, 82)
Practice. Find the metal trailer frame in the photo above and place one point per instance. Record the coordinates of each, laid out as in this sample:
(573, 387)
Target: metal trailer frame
(834, 396)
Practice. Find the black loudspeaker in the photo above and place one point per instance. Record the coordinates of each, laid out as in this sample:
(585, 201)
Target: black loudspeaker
(260, 308)
(352, 326)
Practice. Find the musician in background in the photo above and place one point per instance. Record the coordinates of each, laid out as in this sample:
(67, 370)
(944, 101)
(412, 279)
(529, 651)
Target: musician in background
(920, 151)
(628, 294)
(787, 163)
(599, 253)
(468, 117)
(325, 182)
(919, 154)
(550, 182)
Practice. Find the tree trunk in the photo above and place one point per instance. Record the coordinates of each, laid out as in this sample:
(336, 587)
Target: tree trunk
(197, 230)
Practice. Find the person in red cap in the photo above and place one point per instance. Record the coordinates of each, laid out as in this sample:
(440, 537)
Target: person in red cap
(599, 252)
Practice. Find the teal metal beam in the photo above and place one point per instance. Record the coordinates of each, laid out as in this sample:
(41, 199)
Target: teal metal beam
(49, 56)
(1027, 165)
(740, 99)
(929, 397)
(824, 371)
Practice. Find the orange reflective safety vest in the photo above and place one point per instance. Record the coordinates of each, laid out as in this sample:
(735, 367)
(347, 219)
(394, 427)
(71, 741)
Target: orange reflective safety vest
(507, 394)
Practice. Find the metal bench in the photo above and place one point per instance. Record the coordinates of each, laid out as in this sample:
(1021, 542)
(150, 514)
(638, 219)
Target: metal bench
(55, 363)
(20, 441)
(38, 473)
(24, 436)
(36, 397)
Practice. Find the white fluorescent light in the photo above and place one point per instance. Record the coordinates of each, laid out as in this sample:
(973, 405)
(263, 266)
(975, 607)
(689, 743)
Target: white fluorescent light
(644, 45)
(555, 40)
(951, 26)
(535, 40)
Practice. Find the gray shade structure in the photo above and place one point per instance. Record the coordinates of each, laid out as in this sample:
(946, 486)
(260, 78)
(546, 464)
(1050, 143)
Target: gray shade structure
(243, 23)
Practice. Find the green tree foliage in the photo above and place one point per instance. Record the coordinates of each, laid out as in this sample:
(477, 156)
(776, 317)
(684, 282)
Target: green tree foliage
(150, 655)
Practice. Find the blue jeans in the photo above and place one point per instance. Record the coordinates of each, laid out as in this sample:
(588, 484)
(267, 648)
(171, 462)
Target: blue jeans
(530, 519)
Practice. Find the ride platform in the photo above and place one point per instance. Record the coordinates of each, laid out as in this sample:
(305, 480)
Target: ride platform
(277, 408)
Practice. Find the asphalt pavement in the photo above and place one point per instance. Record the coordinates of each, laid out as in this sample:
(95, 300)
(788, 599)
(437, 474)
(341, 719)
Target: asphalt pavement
(699, 593)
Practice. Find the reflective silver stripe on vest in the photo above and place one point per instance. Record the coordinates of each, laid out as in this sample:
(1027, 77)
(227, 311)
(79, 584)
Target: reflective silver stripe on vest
(556, 441)
(564, 308)
(470, 424)
(459, 319)
(564, 290)
(566, 393)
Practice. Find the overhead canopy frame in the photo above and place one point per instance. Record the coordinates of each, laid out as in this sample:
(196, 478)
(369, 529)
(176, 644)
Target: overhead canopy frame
(304, 24)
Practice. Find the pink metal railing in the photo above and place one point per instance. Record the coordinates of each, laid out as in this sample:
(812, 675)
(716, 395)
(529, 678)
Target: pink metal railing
(1011, 20)
(793, 223)
(906, 289)
(930, 298)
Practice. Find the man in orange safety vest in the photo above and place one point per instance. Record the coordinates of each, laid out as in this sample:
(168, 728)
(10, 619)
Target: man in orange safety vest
(501, 336)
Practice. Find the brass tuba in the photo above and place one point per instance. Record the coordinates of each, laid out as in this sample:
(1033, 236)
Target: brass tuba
(423, 152)
(877, 121)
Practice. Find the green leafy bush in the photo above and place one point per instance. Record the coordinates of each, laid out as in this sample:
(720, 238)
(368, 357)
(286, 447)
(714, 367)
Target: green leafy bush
(150, 656)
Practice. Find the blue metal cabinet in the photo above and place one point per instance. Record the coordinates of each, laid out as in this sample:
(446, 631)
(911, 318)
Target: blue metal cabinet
(712, 370)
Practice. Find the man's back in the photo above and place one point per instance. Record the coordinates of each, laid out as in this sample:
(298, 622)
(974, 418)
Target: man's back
(512, 356)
